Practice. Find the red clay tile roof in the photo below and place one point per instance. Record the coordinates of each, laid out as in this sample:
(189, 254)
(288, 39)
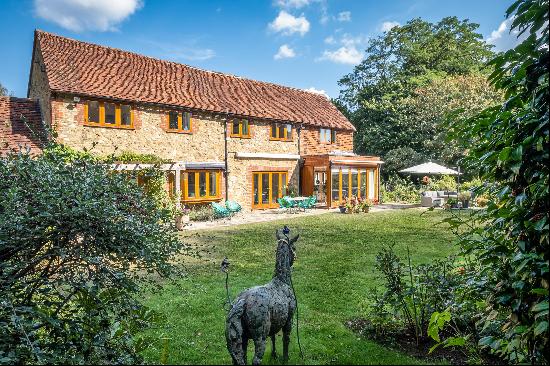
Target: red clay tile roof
(88, 69)
(21, 125)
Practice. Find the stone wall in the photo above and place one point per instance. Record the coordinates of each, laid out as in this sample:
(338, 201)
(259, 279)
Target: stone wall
(240, 176)
(149, 135)
(204, 143)
(38, 85)
(310, 142)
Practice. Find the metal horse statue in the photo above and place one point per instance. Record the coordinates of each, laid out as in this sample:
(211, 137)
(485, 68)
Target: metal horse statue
(262, 311)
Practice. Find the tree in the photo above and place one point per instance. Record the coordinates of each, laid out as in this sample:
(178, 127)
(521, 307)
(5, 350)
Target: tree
(76, 242)
(3, 90)
(411, 81)
(509, 243)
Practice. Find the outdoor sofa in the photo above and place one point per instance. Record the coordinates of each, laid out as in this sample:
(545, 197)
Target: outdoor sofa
(436, 198)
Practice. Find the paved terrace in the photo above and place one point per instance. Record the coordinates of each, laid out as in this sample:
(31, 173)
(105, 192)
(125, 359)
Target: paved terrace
(276, 214)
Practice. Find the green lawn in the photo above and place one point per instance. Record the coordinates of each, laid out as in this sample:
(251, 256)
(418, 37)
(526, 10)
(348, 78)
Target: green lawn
(333, 275)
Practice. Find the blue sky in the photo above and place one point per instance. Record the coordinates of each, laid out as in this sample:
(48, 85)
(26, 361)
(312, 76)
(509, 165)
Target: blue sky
(300, 43)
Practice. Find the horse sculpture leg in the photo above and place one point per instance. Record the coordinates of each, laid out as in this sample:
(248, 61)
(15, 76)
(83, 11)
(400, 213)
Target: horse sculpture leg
(287, 329)
(273, 350)
(245, 349)
(259, 349)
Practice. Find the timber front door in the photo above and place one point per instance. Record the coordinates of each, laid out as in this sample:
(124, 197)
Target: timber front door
(267, 187)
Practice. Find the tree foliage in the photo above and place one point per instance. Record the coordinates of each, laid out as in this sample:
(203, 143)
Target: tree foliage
(509, 145)
(412, 80)
(3, 90)
(76, 241)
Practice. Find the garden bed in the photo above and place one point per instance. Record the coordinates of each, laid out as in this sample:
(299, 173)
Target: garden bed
(404, 341)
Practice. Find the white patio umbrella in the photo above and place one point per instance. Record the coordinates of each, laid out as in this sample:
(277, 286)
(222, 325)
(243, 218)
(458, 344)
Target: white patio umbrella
(430, 168)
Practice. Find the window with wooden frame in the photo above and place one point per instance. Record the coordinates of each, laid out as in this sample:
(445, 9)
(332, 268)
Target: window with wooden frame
(327, 136)
(200, 185)
(177, 121)
(240, 128)
(281, 131)
(108, 114)
(347, 182)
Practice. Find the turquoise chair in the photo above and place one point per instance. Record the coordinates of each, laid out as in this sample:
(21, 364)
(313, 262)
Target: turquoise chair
(312, 201)
(233, 206)
(284, 204)
(219, 210)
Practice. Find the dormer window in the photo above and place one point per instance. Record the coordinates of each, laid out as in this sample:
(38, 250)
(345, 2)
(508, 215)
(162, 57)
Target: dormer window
(108, 114)
(328, 136)
(281, 131)
(240, 128)
(178, 121)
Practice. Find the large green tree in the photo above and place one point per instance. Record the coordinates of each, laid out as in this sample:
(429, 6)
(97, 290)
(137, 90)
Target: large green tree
(411, 81)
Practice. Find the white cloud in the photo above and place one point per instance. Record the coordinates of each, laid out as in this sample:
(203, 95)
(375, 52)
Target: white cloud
(497, 34)
(324, 13)
(287, 4)
(284, 52)
(344, 16)
(288, 24)
(80, 15)
(330, 40)
(348, 53)
(503, 39)
(317, 91)
(386, 26)
(187, 52)
(343, 55)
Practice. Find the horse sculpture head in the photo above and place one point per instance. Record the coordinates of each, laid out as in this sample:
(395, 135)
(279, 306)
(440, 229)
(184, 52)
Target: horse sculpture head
(286, 246)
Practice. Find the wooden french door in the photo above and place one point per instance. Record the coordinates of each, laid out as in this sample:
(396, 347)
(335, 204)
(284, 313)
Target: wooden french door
(267, 187)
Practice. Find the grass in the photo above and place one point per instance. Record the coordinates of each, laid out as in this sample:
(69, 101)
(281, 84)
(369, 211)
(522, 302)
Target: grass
(333, 275)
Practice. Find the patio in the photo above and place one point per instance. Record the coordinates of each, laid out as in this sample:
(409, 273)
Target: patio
(256, 216)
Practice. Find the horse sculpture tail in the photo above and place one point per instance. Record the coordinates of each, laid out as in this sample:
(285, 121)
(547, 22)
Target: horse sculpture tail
(234, 333)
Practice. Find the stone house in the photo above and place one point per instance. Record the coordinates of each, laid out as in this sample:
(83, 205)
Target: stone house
(226, 137)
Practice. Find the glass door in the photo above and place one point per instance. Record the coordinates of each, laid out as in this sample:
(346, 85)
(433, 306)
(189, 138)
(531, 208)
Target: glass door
(267, 187)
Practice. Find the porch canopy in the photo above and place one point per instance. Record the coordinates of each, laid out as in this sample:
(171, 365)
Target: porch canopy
(430, 168)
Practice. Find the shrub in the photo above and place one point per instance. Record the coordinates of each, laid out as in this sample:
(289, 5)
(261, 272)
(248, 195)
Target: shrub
(400, 190)
(443, 183)
(509, 145)
(201, 213)
(413, 293)
(76, 241)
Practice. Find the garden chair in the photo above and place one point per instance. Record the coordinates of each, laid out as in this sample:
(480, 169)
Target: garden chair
(285, 204)
(233, 206)
(312, 201)
(219, 210)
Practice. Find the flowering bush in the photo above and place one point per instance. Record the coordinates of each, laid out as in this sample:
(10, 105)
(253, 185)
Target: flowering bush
(356, 204)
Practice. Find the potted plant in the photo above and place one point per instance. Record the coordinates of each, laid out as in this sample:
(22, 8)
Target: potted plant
(452, 203)
(482, 201)
(181, 215)
(465, 197)
(365, 205)
(342, 206)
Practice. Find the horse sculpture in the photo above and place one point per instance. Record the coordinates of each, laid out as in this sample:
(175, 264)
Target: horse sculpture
(262, 311)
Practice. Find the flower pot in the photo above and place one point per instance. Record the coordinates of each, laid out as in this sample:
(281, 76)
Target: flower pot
(181, 221)
(342, 209)
(465, 204)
